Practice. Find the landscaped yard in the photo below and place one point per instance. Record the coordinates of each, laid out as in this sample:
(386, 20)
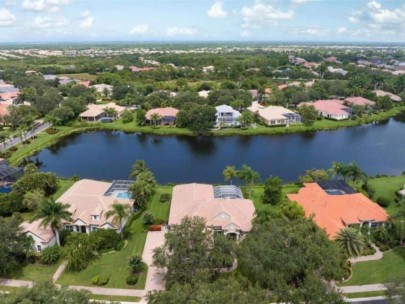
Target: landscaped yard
(381, 271)
(257, 194)
(158, 209)
(33, 272)
(64, 184)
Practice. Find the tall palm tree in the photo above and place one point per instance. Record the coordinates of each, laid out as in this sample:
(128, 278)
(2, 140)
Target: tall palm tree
(351, 242)
(229, 173)
(138, 168)
(154, 118)
(51, 214)
(110, 112)
(336, 170)
(118, 213)
(248, 175)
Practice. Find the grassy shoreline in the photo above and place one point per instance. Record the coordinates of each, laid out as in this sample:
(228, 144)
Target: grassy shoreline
(44, 139)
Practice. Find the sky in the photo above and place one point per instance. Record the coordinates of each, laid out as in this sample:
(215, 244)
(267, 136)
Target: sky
(202, 20)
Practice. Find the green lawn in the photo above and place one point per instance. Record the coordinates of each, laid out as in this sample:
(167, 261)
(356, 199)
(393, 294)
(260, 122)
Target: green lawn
(257, 194)
(366, 294)
(114, 298)
(388, 187)
(33, 272)
(81, 76)
(381, 271)
(64, 184)
(158, 209)
(113, 264)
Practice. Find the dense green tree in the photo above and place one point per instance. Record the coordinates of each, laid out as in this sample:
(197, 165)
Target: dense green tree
(33, 199)
(143, 189)
(127, 116)
(60, 115)
(308, 113)
(52, 214)
(79, 250)
(246, 118)
(140, 117)
(273, 193)
(292, 210)
(47, 182)
(21, 116)
(314, 175)
(395, 291)
(197, 118)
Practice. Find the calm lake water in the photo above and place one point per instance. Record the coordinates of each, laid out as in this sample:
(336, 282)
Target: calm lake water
(378, 149)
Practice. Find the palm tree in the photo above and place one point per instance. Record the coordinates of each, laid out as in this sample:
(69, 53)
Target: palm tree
(248, 175)
(118, 213)
(355, 173)
(336, 170)
(229, 173)
(138, 168)
(351, 242)
(154, 118)
(110, 112)
(51, 214)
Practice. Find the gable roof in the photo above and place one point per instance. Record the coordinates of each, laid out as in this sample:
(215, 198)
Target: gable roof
(359, 101)
(329, 106)
(162, 112)
(35, 228)
(381, 93)
(94, 110)
(334, 212)
(270, 112)
(198, 200)
(86, 198)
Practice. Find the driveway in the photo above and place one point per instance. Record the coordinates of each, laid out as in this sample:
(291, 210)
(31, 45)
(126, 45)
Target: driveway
(154, 279)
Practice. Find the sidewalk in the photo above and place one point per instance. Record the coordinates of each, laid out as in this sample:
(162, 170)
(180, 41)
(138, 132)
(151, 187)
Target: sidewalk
(378, 255)
(112, 291)
(362, 288)
(15, 283)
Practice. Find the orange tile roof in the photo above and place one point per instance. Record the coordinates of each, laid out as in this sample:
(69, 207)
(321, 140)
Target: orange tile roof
(162, 112)
(334, 212)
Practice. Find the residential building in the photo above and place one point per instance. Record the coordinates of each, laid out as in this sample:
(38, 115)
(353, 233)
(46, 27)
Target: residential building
(103, 88)
(167, 116)
(90, 200)
(226, 116)
(208, 69)
(331, 108)
(334, 206)
(275, 115)
(96, 112)
(204, 93)
(359, 101)
(337, 70)
(223, 208)
(135, 69)
(381, 93)
(42, 237)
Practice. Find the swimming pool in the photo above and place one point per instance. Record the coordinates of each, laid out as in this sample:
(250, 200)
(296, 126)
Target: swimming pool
(125, 195)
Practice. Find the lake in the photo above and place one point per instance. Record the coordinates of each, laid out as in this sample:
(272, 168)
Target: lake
(108, 155)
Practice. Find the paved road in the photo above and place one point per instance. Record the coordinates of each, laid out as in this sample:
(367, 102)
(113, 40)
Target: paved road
(362, 288)
(17, 140)
(372, 300)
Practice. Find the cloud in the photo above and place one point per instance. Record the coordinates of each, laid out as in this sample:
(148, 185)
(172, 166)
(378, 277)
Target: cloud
(301, 1)
(262, 14)
(46, 22)
(180, 31)
(6, 17)
(51, 6)
(88, 20)
(374, 17)
(217, 10)
(341, 30)
(140, 29)
(311, 31)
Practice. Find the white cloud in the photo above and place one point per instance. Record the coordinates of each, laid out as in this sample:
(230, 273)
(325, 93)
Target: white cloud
(180, 31)
(300, 1)
(262, 14)
(46, 22)
(217, 10)
(88, 20)
(311, 31)
(140, 29)
(51, 6)
(6, 17)
(341, 30)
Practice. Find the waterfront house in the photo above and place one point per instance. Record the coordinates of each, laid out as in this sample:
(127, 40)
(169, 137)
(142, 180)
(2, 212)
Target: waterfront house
(331, 108)
(223, 208)
(167, 116)
(334, 206)
(226, 116)
(359, 101)
(274, 115)
(42, 237)
(381, 93)
(96, 112)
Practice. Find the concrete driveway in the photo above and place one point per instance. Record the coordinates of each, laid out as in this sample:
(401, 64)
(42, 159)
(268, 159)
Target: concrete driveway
(154, 279)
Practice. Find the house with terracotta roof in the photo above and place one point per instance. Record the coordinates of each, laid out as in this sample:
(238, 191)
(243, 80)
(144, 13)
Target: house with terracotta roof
(381, 93)
(335, 206)
(42, 237)
(359, 101)
(96, 112)
(90, 200)
(223, 208)
(167, 116)
(330, 108)
(274, 115)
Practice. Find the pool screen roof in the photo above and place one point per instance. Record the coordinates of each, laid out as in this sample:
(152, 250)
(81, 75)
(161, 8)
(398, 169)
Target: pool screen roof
(336, 185)
(6, 170)
(228, 191)
(119, 185)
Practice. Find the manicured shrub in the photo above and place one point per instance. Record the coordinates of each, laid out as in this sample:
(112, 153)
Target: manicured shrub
(164, 197)
(127, 117)
(132, 279)
(383, 201)
(52, 130)
(135, 263)
(148, 219)
(50, 255)
(155, 228)
(100, 280)
(107, 239)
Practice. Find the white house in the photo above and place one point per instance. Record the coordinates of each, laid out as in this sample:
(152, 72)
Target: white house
(42, 237)
(102, 88)
(274, 115)
(226, 116)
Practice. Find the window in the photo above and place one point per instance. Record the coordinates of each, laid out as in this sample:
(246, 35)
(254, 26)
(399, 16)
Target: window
(39, 248)
(95, 217)
(93, 228)
(69, 227)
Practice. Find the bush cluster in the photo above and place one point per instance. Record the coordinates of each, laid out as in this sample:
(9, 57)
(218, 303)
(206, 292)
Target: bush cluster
(50, 255)
(100, 280)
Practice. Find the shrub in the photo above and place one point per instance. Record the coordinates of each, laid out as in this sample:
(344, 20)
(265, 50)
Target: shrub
(52, 130)
(135, 263)
(164, 197)
(50, 255)
(100, 280)
(127, 117)
(383, 201)
(63, 234)
(120, 245)
(148, 219)
(107, 239)
(132, 279)
(370, 190)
